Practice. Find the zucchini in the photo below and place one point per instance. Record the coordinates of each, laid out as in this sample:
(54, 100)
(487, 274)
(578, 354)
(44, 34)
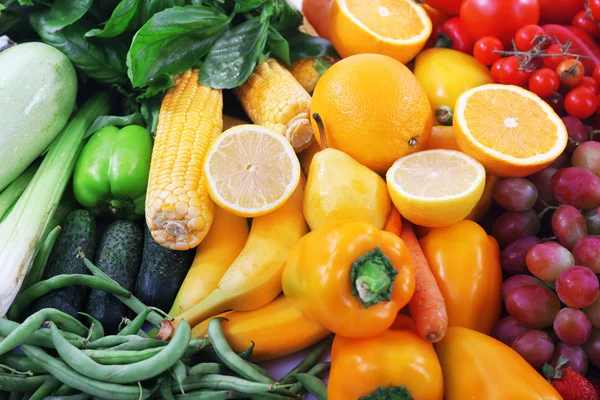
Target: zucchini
(77, 235)
(119, 256)
(161, 274)
(38, 85)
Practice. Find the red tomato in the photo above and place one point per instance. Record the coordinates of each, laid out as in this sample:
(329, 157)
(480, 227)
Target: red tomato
(528, 36)
(317, 13)
(595, 9)
(496, 68)
(455, 31)
(581, 102)
(501, 18)
(559, 11)
(584, 22)
(589, 82)
(596, 74)
(451, 7)
(544, 82)
(483, 50)
(554, 61)
(512, 73)
(570, 72)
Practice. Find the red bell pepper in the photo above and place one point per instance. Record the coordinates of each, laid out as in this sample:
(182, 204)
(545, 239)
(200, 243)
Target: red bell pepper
(453, 35)
(581, 43)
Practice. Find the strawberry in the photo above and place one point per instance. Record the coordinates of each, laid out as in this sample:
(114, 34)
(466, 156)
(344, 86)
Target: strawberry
(570, 384)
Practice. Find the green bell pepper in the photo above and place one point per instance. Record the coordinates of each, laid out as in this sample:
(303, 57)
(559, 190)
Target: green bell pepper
(111, 174)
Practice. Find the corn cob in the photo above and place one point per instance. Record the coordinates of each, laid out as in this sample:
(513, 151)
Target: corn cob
(273, 98)
(179, 211)
(303, 70)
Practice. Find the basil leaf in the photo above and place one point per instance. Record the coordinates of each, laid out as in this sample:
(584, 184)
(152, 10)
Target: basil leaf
(286, 17)
(150, 7)
(157, 85)
(65, 12)
(105, 120)
(234, 56)
(244, 6)
(104, 64)
(119, 21)
(150, 109)
(2, 7)
(278, 46)
(26, 2)
(303, 46)
(172, 41)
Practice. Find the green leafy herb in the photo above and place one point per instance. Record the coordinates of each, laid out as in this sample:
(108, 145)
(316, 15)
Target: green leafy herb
(26, 2)
(65, 12)
(150, 109)
(286, 18)
(278, 46)
(307, 46)
(119, 21)
(105, 120)
(389, 393)
(244, 6)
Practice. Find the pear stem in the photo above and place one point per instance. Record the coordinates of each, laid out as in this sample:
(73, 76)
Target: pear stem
(321, 127)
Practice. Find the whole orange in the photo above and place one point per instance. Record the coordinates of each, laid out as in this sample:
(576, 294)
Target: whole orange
(372, 108)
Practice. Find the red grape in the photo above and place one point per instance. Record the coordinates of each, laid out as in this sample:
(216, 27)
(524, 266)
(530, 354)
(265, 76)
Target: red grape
(512, 226)
(536, 347)
(587, 253)
(517, 281)
(587, 155)
(562, 161)
(577, 187)
(577, 287)
(592, 220)
(592, 348)
(572, 326)
(593, 313)
(548, 260)
(577, 359)
(541, 180)
(513, 255)
(533, 306)
(508, 329)
(577, 131)
(568, 225)
(515, 194)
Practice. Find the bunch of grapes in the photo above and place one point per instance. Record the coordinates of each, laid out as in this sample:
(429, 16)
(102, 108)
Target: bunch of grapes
(549, 233)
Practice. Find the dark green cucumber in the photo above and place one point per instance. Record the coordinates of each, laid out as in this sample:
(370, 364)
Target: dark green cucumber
(119, 255)
(161, 274)
(78, 234)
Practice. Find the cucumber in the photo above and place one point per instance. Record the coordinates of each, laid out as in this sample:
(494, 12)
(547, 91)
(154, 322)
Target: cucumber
(161, 274)
(38, 85)
(77, 235)
(119, 255)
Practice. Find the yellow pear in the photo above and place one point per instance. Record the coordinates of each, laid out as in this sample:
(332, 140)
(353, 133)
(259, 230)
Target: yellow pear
(339, 187)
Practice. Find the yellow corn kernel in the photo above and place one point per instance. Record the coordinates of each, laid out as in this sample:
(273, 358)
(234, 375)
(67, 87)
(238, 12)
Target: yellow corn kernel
(303, 70)
(179, 211)
(272, 98)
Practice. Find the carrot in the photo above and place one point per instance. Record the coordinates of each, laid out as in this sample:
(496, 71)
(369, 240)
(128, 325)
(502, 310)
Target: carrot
(427, 306)
(394, 222)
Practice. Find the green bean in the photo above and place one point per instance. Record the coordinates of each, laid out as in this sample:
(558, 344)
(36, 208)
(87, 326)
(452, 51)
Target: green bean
(233, 361)
(15, 371)
(120, 357)
(195, 346)
(179, 372)
(46, 389)
(317, 370)
(25, 298)
(40, 260)
(136, 324)
(22, 384)
(268, 396)
(15, 396)
(96, 329)
(210, 395)
(4, 395)
(214, 381)
(41, 337)
(32, 324)
(246, 354)
(128, 373)
(314, 385)
(207, 368)
(65, 390)
(164, 387)
(113, 340)
(74, 379)
(20, 362)
(309, 361)
(132, 302)
(80, 396)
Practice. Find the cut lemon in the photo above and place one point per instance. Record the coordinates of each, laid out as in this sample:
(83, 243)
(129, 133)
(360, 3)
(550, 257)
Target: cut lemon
(435, 188)
(396, 28)
(510, 130)
(251, 170)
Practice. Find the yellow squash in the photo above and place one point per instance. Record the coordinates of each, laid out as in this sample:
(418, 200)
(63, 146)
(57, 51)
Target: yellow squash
(277, 329)
(224, 242)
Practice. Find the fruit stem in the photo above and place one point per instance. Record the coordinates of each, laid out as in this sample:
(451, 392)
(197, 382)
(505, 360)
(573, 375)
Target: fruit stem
(547, 208)
(321, 127)
(372, 277)
(444, 115)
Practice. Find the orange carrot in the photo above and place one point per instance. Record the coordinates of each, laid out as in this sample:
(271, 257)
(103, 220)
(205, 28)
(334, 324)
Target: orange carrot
(394, 222)
(427, 306)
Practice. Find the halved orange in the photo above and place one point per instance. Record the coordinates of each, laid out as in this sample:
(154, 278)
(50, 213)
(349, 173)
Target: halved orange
(510, 130)
(251, 170)
(395, 28)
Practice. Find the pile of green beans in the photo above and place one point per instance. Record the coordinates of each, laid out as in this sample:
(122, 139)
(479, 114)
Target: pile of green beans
(64, 359)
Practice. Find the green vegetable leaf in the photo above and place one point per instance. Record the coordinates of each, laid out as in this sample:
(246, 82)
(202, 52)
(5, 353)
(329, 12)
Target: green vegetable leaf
(2, 7)
(119, 21)
(104, 64)
(172, 41)
(150, 109)
(65, 12)
(244, 6)
(150, 7)
(389, 393)
(286, 17)
(278, 46)
(307, 46)
(234, 56)
(104, 120)
(26, 2)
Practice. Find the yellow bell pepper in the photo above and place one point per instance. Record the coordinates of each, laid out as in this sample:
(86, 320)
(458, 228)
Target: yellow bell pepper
(445, 74)
(350, 277)
(466, 264)
(394, 361)
(478, 367)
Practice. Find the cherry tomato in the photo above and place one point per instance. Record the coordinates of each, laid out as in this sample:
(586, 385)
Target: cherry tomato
(528, 36)
(483, 50)
(556, 59)
(595, 9)
(584, 22)
(598, 106)
(589, 82)
(496, 68)
(570, 72)
(455, 31)
(544, 82)
(498, 18)
(512, 73)
(596, 74)
(581, 102)
(451, 7)
(559, 11)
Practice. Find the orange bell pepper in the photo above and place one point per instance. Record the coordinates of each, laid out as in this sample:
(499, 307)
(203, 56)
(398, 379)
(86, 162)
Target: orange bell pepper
(349, 277)
(466, 264)
(385, 364)
(479, 367)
